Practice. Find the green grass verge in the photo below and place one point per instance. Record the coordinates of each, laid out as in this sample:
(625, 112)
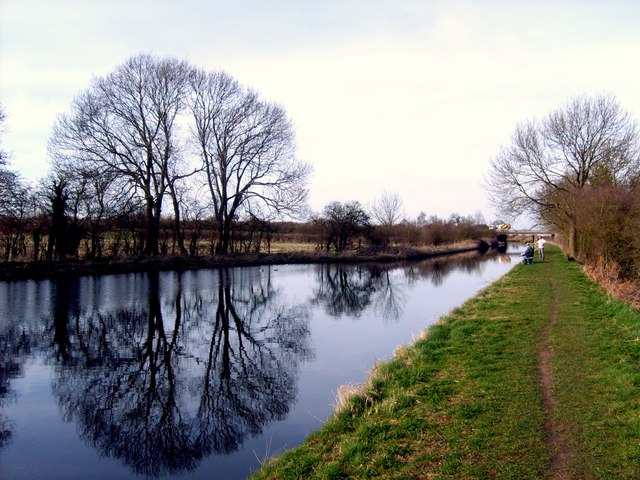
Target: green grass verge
(466, 401)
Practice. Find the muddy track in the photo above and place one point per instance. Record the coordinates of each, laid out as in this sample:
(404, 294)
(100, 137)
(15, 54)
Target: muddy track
(556, 434)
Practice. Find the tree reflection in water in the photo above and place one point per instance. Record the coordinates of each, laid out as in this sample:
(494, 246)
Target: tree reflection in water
(344, 289)
(350, 289)
(438, 269)
(14, 347)
(171, 380)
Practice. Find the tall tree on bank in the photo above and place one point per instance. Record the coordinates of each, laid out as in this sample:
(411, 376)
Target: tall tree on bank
(124, 126)
(248, 153)
(550, 163)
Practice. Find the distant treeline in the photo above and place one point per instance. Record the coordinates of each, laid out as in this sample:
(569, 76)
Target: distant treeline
(56, 235)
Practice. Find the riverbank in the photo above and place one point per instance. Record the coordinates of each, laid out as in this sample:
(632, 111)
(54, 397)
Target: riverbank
(66, 268)
(535, 377)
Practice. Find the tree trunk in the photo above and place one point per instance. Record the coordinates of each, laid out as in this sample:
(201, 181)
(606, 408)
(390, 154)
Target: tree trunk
(573, 239)
(153, 231)
(225, 237)
(36, 244)
(177, 230)
(57, 235)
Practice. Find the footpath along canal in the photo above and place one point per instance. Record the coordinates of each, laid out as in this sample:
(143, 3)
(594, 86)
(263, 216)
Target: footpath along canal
(537, 377)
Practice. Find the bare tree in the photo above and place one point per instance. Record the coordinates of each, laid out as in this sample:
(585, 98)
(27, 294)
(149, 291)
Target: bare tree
(387, 211)
(248, 153)
(549, 162)
(124, 125)
(15, 211)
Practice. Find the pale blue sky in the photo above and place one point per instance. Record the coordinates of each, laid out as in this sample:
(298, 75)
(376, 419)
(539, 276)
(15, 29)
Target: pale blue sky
(411, 97)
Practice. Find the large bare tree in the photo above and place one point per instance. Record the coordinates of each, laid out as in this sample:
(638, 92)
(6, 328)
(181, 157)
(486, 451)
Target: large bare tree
(248, 153)
(548, 163)
(125, 126)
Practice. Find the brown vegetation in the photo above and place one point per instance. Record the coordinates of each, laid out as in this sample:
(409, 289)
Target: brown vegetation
(607, 225)
(55, 268)
(609, 278)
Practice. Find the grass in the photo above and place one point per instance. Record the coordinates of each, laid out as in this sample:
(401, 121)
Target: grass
(465, 401)
(288, 247)
(597, 370)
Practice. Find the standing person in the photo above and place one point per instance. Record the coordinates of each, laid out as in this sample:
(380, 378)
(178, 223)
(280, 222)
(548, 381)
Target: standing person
(541, 242)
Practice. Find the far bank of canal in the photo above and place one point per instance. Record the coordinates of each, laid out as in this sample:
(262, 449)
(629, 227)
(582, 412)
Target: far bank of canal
(538, 376)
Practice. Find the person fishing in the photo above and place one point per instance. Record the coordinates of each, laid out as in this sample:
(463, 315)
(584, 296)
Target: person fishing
(527, 254)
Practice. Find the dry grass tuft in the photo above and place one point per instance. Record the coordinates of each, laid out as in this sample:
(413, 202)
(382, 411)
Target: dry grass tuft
(422, 335)
(401, 351)
(347, 392)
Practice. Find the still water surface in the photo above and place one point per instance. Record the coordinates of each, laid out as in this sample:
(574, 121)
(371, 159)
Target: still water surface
(201, 374)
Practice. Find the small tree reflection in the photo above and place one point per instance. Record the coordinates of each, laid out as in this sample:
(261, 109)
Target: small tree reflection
(349, 290)
(438, 269)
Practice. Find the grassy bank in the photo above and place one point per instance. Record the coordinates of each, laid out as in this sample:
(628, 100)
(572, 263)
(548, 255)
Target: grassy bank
(536, 377)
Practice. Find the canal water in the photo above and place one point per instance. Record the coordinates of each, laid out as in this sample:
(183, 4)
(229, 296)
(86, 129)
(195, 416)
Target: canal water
(201, 374)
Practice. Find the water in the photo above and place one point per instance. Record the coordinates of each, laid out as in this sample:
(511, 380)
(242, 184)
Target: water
(202, 374)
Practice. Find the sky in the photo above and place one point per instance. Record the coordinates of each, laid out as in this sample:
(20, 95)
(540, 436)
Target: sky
(407, 97)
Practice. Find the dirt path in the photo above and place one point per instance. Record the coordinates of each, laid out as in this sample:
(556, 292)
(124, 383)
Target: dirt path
(556, 434)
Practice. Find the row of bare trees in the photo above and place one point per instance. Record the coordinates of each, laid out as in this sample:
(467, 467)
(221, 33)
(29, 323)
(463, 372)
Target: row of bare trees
(159, 130)
(58, 219)
(52, 222)
(578, 172)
